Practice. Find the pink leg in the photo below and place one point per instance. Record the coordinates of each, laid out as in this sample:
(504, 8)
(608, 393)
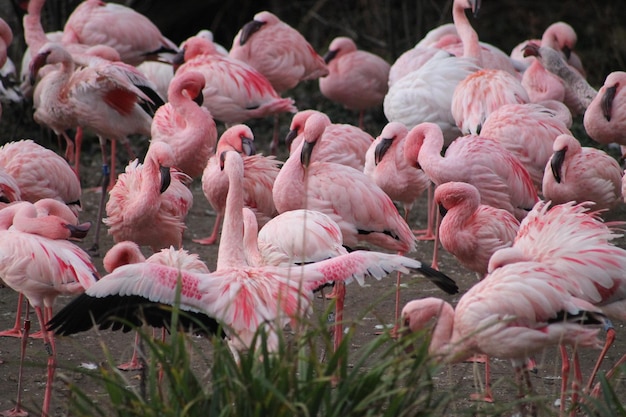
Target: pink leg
(576, 383)
(213, 237)
(48, 341)
(610, 337)
(134, 363)
(427, 234)
(435, 264)
(106, 178)
(609, 374)
(338, 331)
(16, 331)
(487, 395)
(78, 143)
(565, 368)
(18, 411)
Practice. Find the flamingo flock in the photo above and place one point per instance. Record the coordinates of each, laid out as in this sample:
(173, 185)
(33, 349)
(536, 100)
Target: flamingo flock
(524, 205)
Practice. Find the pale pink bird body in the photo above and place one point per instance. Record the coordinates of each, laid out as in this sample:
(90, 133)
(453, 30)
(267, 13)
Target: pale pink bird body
(186, 125)
(39, 262)
(528, 131)
(577, 173)
(362, 209)
(343, 143)
(541, 84)
(9, 190)
(357, 79)
(132, 34)
(244, 298)
(144, 206)
(234, 91)
(386, 165)
(501, 179)
(260, 172)
(605, 118)
(471, 231)
(277, 51)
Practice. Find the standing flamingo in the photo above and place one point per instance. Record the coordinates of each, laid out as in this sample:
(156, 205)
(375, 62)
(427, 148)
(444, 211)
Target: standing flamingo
(577, 173)
(234, 91)
(259, 175)
(357, 79)
(38, 261)
(346, 144)
(244, 298)
(186, 125)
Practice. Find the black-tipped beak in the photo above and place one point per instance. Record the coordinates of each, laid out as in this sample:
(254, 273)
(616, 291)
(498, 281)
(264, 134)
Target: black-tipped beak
(222, 159)
(178, 59)
(556, 164)
(381, 149)
(248, 30)
(78, 231)
(199, 99)
(607, 101)
(442, 210)
(475, 8)
(35, 65)
(248, 147)
(166, 178)
(305, 155)
(567, 51)
(290, 137)
(330, 55)
(531, 49)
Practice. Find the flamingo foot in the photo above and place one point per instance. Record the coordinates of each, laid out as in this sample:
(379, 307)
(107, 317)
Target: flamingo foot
(424, 234)
(132, 365)
(14, 412)
(206, 241)
(11, 333)
(482, 396)
(477, 359)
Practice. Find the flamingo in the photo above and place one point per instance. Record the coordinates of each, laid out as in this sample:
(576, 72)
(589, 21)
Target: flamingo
(386, 165)
(604, 117)
(357, 79)
(38, 261)
(577, 173)
(244, 298)
(234, 91)
(186, 125)
(516, 311)
(574, 241)
(6, 37)
(9, 190)
(346, 144)
(259, 175)
(362, 209)
(471, 231)
(528, 131)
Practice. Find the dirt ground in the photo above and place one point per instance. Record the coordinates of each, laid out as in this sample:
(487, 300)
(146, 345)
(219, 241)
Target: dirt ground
(78, 350)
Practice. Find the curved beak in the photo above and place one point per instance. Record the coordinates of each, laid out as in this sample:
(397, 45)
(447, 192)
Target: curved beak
(567, 51)
(442, 210)
(607, 101)
(305, 155)
(178, 59)
(556, 164)
(475, 7)
(248, 146)
(248, 30)
(290, 137)
(330, 55)
(166, 178)
(35, 65)
(199, 99)
(78, 231)
(381, 149)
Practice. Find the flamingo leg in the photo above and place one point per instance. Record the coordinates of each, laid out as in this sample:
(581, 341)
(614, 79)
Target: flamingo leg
(609, 374)
(610, 337)
(339, 303)
(16, 331)
(428, 234)
(213, 237)
(134, 364)
(525, 387)
(18, 411)
(78, 144)
(48, 341)
(565, 368)
(576, 383)
(106, 178)
(435, 264)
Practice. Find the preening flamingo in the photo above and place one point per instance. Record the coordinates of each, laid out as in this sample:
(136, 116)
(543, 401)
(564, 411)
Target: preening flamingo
(346, 143)
(259, 175)
(234, 91)
(581, 173)
(357, 79)
(241, 297)
(186, 125)
(605, 117)
(38, 261)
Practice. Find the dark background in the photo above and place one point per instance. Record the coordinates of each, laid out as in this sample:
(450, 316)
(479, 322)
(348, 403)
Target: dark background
(385, 27)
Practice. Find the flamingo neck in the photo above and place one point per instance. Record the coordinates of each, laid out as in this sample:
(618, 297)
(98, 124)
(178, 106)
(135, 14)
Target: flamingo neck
(429, 156)
(469, 37)
(231, 248)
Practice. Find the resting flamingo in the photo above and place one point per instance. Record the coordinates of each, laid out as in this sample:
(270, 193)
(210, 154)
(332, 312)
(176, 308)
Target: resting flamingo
(186, 125)
(357, 79)
(582, 173)
(517, 311)
(605, 118)
(244, 298)
(38, 261)
(346, 143)
(259, 175)
(6, 37)
(234, 91)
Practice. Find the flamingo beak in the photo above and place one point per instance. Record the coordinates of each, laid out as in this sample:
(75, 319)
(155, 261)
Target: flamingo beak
(607, 101)
(248, 30)
(290, 137)
(36, 64)
(475, 7)
(305, 155)
(381, 149)
(330, 55)
(78, 231)
(166, 178)
(556, 164)
(248, 146)
(199, 99)
(442, 210)
(178, 60)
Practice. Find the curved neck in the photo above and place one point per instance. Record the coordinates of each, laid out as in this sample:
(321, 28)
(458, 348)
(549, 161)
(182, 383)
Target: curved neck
(469, 37)
(52, 227)
(250, 238)
(231, 249)
(34, 34)
(429, 156)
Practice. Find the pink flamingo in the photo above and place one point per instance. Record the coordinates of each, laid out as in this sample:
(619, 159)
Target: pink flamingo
(517, 311)
(528, 131)
(386, 165)
(577, 173)
(604, 117)
(575, 242)
(541, 85)
(39, 262)
(244, 298)
(357, 79)
(259, 175)
(6, 37)
(471, 231)
(234, 91)
(132, 34)
(186, 125)
(361, 209)
(346, 144)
